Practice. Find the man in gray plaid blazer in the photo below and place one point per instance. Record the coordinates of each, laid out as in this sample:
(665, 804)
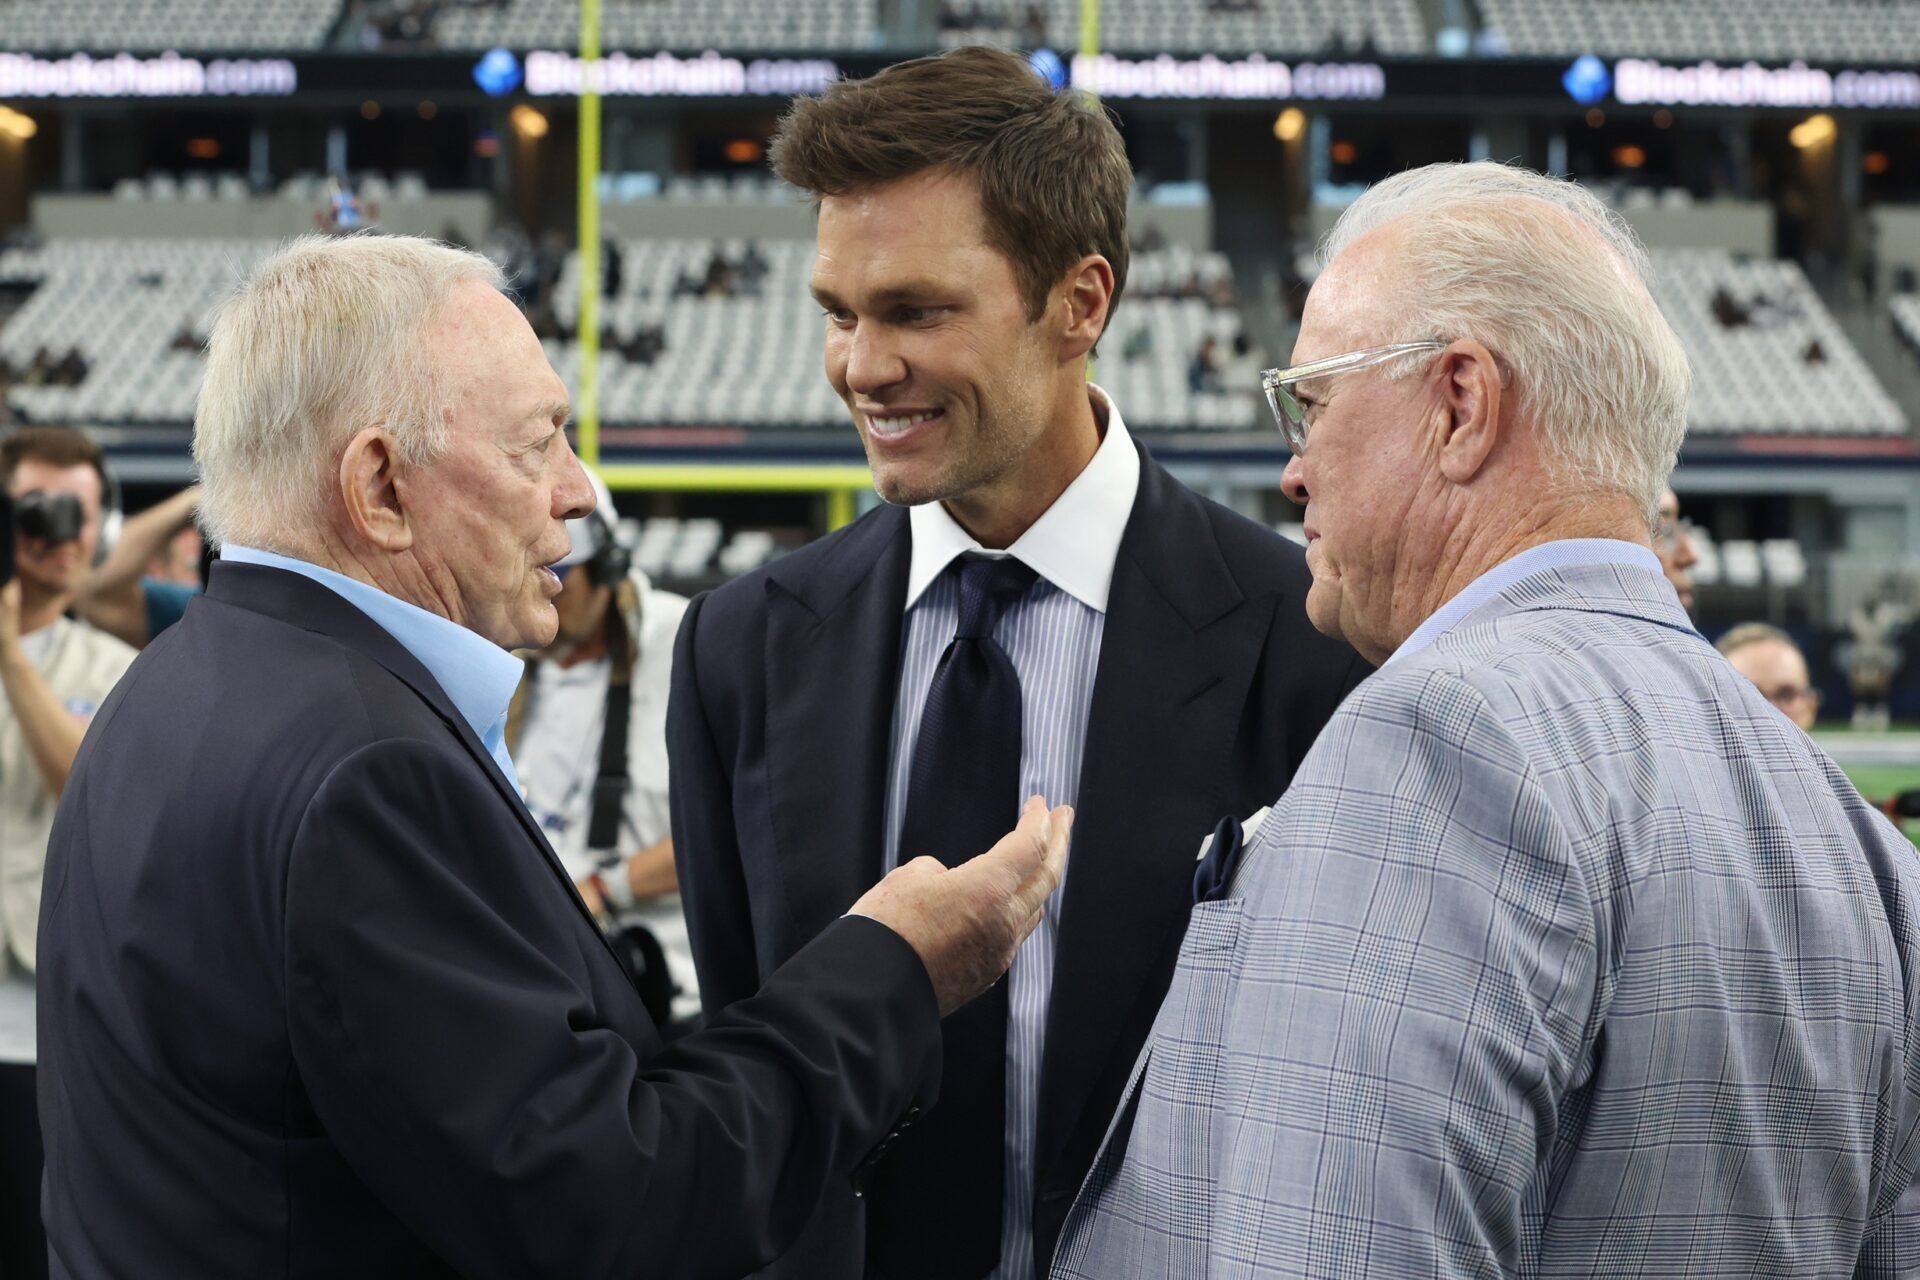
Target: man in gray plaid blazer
(1565, 953)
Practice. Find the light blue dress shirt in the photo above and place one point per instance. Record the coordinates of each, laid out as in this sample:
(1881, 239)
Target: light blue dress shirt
(1566, 553)
(477, 675)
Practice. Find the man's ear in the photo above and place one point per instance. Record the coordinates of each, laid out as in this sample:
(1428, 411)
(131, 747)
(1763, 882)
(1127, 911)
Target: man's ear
(1088, 295)
(1472, 394)
(371, 493)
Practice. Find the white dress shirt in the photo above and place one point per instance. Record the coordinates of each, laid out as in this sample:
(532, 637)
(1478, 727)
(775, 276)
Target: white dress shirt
(1052, 636)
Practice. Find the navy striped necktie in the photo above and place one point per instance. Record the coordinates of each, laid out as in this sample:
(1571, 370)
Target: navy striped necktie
(937, 1198)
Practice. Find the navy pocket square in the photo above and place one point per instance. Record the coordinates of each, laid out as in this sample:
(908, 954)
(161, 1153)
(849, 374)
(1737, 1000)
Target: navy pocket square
(1214, 875)
(1220, 856)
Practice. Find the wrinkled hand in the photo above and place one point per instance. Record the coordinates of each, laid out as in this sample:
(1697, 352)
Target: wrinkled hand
(966, 922)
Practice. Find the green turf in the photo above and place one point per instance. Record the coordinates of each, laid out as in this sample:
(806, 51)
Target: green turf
(1879, 781)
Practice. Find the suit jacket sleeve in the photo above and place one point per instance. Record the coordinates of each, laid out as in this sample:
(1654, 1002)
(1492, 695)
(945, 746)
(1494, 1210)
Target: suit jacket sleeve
(1417, 985)
(449, 1049)
(706, 847)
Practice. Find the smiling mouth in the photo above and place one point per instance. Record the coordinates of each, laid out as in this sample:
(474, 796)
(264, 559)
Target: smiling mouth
(893, 426)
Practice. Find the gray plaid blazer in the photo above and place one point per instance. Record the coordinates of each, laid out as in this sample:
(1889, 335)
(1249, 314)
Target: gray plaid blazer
(1565, 954)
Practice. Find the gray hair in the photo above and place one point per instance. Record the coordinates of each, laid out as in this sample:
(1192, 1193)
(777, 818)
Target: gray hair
(321, 341)
(1550, 279)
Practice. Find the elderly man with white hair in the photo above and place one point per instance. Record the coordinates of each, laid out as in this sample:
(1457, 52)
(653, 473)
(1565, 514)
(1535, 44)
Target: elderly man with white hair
(1563, 954)
(317, 999)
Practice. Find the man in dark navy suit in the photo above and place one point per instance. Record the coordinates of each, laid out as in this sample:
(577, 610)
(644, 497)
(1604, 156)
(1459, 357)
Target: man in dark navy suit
(316, 997)
(1148, 649)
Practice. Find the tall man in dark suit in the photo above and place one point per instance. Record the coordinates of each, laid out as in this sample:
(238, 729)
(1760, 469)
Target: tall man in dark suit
(317, 999)
(1038, 603)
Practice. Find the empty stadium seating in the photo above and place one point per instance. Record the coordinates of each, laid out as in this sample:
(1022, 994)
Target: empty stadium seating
(120, 302)
(1389, 27)
(1755, 378)
(1906, 318)
(688, 25)
(1879, 31)
(754, 360)
(153, 26)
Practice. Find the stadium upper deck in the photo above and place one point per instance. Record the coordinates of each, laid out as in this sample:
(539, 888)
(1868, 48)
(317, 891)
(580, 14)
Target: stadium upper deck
(1874, 31)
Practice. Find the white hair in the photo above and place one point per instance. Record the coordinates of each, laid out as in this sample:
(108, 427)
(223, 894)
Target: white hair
(1550, 279)
(322, 340)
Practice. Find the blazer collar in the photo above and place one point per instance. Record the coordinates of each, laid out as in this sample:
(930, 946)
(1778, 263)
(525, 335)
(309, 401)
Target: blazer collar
(1170, 540)
(832, 661)
(821, 583)
(305, 603)
(1627, 590)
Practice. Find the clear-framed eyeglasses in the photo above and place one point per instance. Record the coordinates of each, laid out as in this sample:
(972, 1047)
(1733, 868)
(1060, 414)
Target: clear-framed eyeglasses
(1668, 531)
(1291, 414)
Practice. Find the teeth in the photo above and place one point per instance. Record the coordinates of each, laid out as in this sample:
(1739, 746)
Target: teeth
(890, 426)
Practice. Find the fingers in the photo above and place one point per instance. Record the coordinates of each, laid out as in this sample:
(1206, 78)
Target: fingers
(1043, 879)
(1008, 864)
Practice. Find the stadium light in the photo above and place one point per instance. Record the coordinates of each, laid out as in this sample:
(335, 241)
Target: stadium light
(16, 125)
(527, 122)
(1814, 131)
(1290, 124)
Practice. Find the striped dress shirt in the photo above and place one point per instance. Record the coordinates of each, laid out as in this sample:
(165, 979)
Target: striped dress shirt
(1052, 636)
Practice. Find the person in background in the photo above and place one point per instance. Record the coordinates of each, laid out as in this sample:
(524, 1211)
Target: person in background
(1673, 543)
(608, 665)
(55, 671)
(1768, 656)
(124, 596)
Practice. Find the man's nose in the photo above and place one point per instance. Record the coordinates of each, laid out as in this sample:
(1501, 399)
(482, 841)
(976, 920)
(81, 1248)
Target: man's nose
(573, 497)
(873, 363)
(1685, 554)
(1293, 481)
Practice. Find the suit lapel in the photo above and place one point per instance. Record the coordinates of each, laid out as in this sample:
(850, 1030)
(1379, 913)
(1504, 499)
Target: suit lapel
(833, 656)
(1177, 655)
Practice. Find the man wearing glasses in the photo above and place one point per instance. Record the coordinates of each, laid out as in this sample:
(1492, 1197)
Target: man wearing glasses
(1564, 954)
(1768, 656)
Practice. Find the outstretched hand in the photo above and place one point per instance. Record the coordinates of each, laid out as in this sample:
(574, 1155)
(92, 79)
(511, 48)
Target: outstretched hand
(966, 922)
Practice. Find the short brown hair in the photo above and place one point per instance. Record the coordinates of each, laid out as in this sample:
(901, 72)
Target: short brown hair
(1052, 168)
(55, 446)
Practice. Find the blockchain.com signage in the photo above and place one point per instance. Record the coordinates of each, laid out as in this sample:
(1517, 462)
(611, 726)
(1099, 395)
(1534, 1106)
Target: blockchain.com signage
(1253, 77)
(126, 75)
(665, 75)
(1652, 83)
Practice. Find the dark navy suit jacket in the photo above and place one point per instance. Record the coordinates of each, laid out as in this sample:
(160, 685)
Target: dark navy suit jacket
(317, 1000)
(1212, 685)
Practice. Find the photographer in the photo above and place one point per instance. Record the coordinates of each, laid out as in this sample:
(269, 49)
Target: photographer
(601, 796)
(55, 671)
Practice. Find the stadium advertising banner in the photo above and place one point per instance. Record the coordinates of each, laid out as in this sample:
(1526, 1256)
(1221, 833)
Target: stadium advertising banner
(127, 75)
(1411, 84)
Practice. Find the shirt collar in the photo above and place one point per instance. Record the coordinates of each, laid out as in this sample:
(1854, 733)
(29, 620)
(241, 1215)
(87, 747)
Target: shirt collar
(1075, 541)
(477, 676)
(1565, 553)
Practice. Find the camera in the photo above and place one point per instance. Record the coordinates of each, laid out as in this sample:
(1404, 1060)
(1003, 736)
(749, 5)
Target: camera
(51, 517)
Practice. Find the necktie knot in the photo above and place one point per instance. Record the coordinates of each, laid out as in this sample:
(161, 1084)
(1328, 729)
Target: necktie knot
(988, 586)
